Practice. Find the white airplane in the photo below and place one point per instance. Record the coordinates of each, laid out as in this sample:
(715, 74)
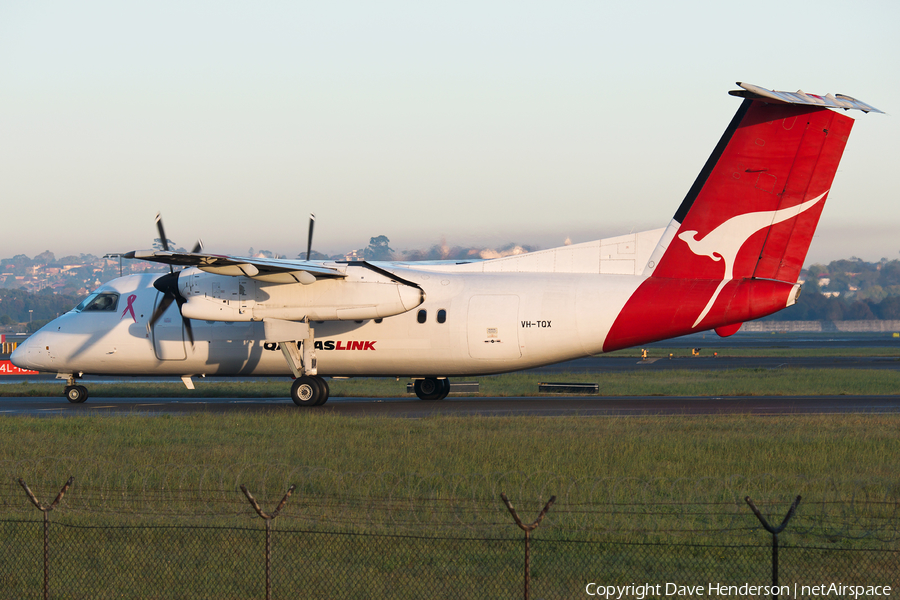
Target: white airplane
(732, 253)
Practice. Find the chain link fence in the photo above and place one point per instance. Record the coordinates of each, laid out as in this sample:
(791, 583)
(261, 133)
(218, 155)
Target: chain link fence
(225, 562)
(92, 550)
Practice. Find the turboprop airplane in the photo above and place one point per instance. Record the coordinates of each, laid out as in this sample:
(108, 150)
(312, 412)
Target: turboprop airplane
(732, 253)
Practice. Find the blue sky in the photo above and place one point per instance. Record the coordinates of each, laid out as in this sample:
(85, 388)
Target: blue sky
(478, 122)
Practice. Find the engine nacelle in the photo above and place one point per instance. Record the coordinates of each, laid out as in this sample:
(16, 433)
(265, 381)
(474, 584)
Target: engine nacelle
(363, 294)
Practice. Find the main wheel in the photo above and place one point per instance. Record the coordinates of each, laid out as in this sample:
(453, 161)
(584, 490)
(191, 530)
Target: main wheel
(76, 394)
(325, 390)
(306, 391)
(445, 390)
(429, 388)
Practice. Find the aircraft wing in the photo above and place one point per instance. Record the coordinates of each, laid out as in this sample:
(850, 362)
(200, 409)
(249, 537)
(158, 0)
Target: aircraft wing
(265, 269)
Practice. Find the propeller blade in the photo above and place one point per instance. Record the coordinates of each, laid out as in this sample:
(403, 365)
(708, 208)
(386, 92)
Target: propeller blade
(188, 329)
(162, 237)
(162, 232)
(312, 223)
(160, 309)
(184, 320)
(168, 285)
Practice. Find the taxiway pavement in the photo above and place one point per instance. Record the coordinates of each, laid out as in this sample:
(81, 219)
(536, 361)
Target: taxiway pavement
(585, 406)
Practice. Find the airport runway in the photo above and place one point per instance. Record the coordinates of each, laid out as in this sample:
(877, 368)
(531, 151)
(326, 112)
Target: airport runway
(585, 406)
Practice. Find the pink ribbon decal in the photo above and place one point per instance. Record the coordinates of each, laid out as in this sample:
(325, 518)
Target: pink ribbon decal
(129, 308)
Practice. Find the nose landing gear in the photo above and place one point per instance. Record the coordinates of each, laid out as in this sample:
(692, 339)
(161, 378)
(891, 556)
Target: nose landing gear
(76, 394)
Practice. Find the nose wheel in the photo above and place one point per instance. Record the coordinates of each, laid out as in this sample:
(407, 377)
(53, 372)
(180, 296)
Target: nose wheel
(309, 390)
(76, 394)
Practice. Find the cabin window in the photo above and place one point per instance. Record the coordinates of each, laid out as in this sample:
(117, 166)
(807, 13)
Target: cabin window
(99, 302)
(422, 316)
(442, 316)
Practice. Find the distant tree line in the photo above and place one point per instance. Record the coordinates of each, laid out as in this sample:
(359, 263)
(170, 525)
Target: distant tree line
(814, 306)
(20, 263)
(46, 305)
(847, 290)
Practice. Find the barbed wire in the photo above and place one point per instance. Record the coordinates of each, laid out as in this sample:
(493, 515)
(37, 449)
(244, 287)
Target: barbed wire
(832, 509)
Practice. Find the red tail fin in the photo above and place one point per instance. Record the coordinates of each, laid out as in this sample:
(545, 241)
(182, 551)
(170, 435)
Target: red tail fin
(756, 207)
(749, 218)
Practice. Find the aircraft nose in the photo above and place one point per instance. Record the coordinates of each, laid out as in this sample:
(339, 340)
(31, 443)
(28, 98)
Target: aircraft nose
(18, 355)
(24, 355)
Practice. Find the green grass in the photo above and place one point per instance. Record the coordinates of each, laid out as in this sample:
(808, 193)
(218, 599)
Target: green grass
(673, 480)
(332, 458)
(677, 480)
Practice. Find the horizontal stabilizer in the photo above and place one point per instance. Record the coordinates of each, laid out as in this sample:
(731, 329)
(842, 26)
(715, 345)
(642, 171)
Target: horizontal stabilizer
(754, 92)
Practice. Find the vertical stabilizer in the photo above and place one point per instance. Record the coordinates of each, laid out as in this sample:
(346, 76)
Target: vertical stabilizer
(757, 201)
(749, 217)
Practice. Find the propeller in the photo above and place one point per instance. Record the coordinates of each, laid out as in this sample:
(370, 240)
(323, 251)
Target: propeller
(312, 223)
(168, 285)
(162, 237)
(165, 241)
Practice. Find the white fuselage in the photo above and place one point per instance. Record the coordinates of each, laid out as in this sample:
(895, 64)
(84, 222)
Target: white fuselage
(492, 323)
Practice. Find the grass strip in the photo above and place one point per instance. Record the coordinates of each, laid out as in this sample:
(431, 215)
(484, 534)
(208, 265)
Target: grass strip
(637, 480)
(647, 459)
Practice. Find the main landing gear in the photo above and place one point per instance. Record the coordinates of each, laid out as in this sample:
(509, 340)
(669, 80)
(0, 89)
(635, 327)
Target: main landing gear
(432, 388)
(296, 339)
(309, 390)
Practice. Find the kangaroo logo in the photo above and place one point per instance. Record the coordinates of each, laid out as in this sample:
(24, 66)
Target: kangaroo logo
(725, 241)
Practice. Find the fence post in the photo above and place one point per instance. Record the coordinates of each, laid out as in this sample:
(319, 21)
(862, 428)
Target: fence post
(774, 531)
(268, 517)
(46, 509)
(527, 529)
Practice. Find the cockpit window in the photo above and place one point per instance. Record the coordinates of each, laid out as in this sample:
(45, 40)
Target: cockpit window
(99, 302)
